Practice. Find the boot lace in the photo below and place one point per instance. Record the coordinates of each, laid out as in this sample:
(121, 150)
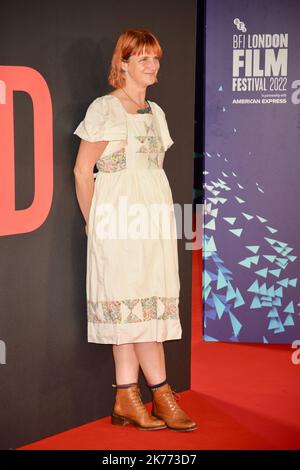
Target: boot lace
(173, 399)
(175, 395)
(137, 396)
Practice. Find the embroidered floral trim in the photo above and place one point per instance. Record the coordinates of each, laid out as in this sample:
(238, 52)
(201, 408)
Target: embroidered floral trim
(152, 146)
(115, 161)
(111, 312)
(133, 310)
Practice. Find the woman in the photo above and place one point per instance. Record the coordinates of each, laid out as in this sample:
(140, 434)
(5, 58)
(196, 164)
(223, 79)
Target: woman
(132, 280)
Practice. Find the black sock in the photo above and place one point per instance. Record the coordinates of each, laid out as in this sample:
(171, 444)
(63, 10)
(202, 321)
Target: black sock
(124, 385)
(154, 387)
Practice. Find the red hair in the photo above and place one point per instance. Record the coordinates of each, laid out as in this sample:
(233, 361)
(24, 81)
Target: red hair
(131, 41)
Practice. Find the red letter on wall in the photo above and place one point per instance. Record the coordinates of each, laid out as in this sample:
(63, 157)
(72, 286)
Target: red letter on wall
(25, 79)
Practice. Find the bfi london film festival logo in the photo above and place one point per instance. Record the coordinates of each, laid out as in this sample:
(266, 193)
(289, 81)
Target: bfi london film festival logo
(260, 64)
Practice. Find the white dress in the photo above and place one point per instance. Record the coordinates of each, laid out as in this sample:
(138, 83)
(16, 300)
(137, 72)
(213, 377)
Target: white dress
(132, 279)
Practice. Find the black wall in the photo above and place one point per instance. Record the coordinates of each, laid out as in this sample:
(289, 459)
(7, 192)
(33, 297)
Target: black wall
(53, 379)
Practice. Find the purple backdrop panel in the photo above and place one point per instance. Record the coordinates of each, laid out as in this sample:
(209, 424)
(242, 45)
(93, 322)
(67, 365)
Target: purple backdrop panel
(251, 243)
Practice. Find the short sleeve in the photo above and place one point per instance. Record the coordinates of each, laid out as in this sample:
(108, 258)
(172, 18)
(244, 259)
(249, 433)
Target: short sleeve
(163, 126)
(102, 121)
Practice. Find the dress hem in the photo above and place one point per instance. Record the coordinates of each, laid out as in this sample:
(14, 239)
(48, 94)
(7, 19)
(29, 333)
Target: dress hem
(143, 333)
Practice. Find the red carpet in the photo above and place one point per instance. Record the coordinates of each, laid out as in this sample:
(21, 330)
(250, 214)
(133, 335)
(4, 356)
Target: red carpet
(243, 396)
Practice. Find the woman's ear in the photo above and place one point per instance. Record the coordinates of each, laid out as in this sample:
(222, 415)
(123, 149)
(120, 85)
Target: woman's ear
(124, 67)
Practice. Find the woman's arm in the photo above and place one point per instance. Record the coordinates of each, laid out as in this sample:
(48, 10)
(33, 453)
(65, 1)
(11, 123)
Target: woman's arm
(88, 154)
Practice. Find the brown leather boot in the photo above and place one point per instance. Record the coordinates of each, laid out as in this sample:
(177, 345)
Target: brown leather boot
(165, 406)
(129, 408)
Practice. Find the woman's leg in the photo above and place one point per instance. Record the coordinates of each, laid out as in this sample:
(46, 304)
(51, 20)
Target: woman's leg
(126, 364)
(128, 406)
(151, 358)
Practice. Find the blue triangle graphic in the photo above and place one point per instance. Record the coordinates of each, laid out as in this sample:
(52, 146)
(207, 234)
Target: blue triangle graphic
(290, 308)
(221, 280)
(289, 321)
(239, 299)
(255, 302)
(253, 248)
(262, 272)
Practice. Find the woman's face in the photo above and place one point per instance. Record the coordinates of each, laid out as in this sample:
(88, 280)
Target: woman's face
(143, 68)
